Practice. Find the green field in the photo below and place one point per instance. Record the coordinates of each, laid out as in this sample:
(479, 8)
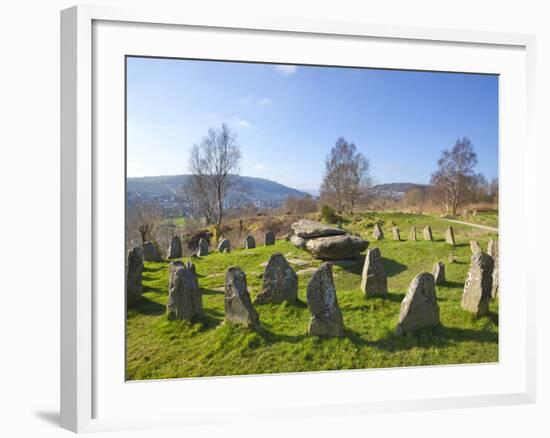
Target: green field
(489, 218)
(158, 348)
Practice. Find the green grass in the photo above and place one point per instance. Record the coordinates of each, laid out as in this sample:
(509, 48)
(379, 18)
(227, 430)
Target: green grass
(489, 218)
(158, 348)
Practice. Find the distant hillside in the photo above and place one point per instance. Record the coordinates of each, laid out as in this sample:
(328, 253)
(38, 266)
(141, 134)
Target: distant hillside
(260, 191)
(396, 190)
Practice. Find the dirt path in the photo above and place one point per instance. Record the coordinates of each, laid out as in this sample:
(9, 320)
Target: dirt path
(483, 227)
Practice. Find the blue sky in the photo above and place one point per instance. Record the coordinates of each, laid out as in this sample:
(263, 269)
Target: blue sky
(288, 117)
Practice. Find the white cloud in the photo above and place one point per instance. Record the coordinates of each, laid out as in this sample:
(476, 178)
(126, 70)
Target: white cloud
(260, 167)
(241, 122)
(247, 99)
(265, 101)
(286, 70)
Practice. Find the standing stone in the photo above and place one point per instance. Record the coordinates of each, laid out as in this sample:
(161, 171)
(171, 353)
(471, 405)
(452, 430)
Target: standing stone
(224, 246)
(479, 284)
(150, 253)
(175, 248)
(269, 238)
(184, 296)
(374, 282)
(452, 258)
(427, 233)
(395, 233)
(439, 273)
(419, 308)
(326, 317)
(492, 250)
(238, 307)
(280, 282)
(134, 270)
(450, 236)
(203, 247)
(412, 234)
(474, 247)
(249, 242)
(377, 233)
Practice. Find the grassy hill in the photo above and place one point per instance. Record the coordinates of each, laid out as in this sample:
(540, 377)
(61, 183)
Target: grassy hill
(158, 348)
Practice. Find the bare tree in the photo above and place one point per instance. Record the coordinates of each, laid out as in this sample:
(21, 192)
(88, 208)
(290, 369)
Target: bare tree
(213, 163)
(142, 218)
(346, 178)
(455, 174)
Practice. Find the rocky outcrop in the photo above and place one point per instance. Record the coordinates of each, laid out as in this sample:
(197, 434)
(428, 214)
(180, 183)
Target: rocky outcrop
(336, 247)
(308, 229)
(326, 243)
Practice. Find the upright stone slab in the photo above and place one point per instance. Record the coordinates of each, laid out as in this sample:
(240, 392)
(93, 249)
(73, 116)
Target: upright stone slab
(238, 306)
(412, 233)
(224, 246)
(475, 247)
(395, 233)
(249, 242)
(189, 265)
(450, 236)
(175, 248)
(269, 238)
(326, 317)
(377, 233)
(134, 270)
(439, 273)
(280, 282)
(374, 282)
(427, 233)
(150, 253)
(492, 250)
(479, 284)
(184, 296)
(419, 308)
(202, 250)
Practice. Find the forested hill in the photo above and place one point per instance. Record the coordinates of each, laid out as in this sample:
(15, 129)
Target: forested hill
(247, 188)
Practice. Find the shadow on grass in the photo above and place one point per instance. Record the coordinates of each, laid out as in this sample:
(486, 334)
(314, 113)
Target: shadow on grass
(493, 316)
(273, 338)
(149, 307)
(438, 337)
(461, 245)
(211, 319)
(156, 290)
(206, 291)
(352, 266)
(392, 267)
(157, 267)
(453, 284)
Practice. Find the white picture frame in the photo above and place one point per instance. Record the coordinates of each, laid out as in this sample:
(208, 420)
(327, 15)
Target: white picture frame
(92, 392)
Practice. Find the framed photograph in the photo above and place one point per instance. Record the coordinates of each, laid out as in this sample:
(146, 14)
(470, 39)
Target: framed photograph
(284, 217)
